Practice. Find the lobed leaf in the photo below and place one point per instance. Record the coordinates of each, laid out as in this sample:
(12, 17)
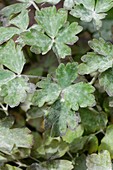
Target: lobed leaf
(99, 161)
(12, 57)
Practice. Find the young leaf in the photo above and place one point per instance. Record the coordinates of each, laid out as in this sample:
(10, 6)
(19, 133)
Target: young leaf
(12, 57)
(49, 92)
(99, 60)
(78, 95)
(5, 76)
(7, 33)
(15, 91)
(51, 20)
(102, 161)
(66, 74)
(89, 10)
(21, 20)
(106, 142)
(106, 80)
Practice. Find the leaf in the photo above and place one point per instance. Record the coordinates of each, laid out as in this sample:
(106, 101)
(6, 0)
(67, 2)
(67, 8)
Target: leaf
(60, 117)
(38, 40)
(66, 36)
(106, 142)
(80, 163)
(15, 91)
(18, 137)
(2, 160)
(58, 165)
(68, 4)
(7, 33)
(66, 74)
(102, 161)
(6, 76)
(106, 80)
(88, 10)
(9, 167)
(78, 95)
(21, 20)
(92, 144)
(13, 9)
(71, 135)
(99, 60)
(51, 20)
(92, 120)
(12, 57)
(48, 93)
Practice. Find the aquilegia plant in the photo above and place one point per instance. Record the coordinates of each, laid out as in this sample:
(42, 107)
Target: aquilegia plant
(56, 85)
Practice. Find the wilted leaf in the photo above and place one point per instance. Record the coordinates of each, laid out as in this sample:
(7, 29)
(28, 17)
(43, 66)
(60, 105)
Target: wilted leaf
(12, 57)
(66, 74)
(15, 91)
(100, 161)
(101, 60)
(5, 76)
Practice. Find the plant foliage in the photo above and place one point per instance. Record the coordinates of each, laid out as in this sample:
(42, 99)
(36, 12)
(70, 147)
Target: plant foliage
(56, 85)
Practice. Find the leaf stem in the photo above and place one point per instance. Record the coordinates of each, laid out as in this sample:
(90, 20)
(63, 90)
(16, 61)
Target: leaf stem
(5, 109)
(31, 76)
(94, 78)
(35, 6)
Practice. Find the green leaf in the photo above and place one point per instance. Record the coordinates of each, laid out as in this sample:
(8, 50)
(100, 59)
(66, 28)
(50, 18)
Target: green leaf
(106, 80)
(18, 137)
(60, 117)
(48, 93)
(66, 37)
(100, 161)
(92, 144)
(80, 163)
(12, 57)
(51, 20)
(21, 20)
(5, 76)
(106, 142)
(2, 160)
(78, 95)
(71, 135)
(89, 10)
(7, 33)
(58, 165)
(15, 91)
(68, 4)
(38, 40)
(99, 60)
(66, 74)
(9, 167)
(13, 9)
(92, 120)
